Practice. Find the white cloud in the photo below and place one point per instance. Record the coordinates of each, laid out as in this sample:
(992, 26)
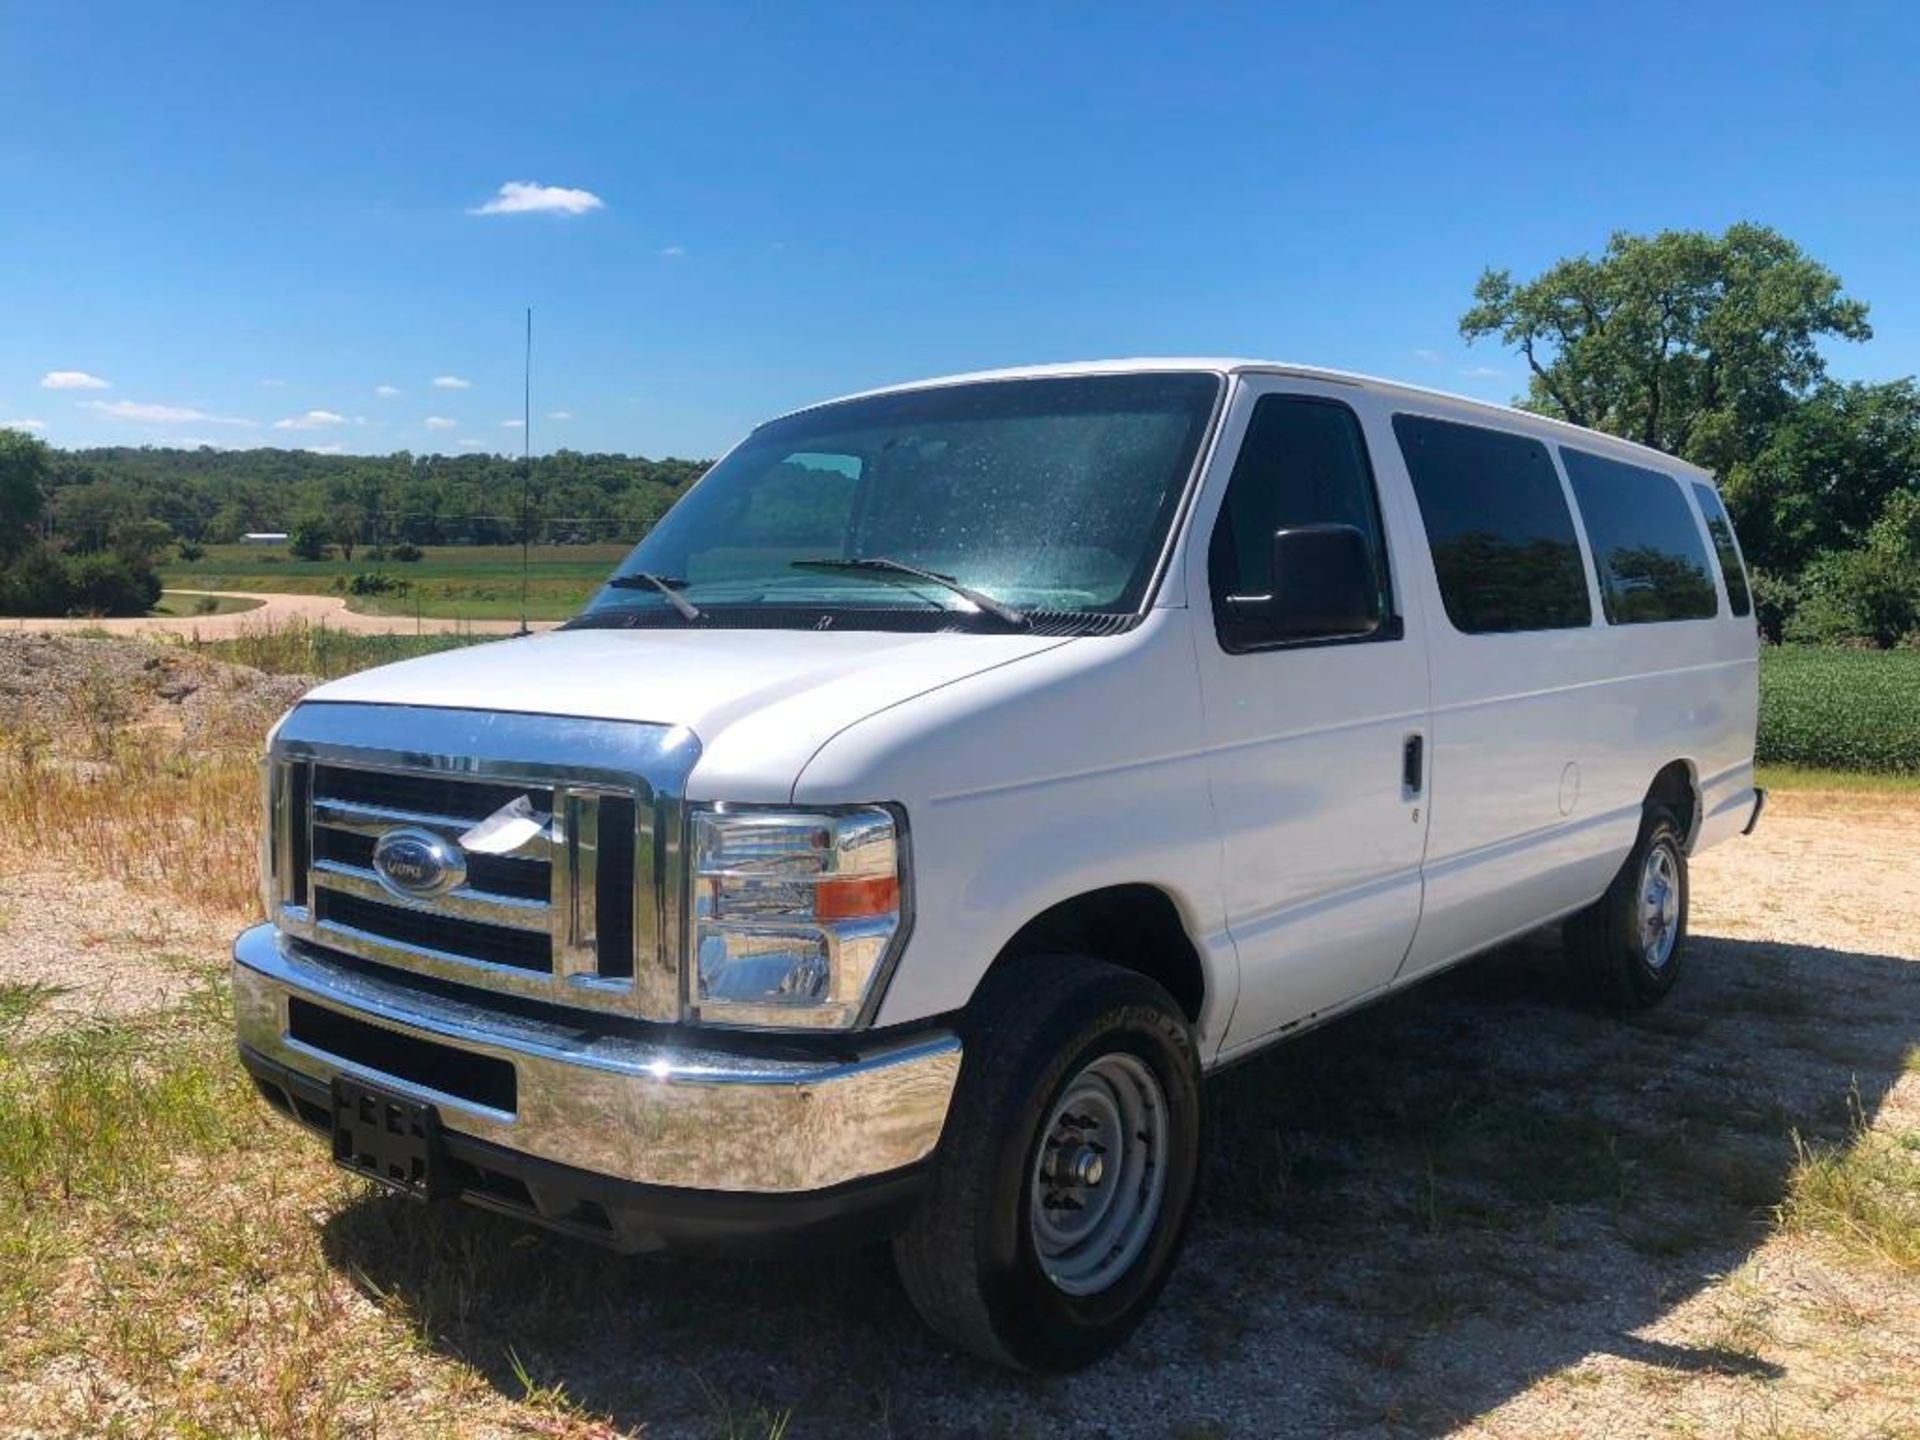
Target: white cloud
(387, 392)
(524, 197)
(512, 424)
(1428, 357)
(23, 424)
(674, 252)
(273, 384)
(469, 443)
(559, 414)
(440, 422)
(329, 449)
(311, 420)
(451, 382)
(73, 380)
(158, 414)
(1482, 372)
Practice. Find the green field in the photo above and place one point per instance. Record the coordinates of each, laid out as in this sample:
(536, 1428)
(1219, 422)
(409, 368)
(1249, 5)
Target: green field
(1830, 709)
(474, 582)
(173, 602)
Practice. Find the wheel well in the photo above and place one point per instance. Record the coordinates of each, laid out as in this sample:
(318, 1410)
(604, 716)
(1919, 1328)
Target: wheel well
(1674, 788)
(1133, 926)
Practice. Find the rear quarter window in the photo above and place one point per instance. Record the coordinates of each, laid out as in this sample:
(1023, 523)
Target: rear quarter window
(1497, 523)
(1720, 528)
(1646, 545)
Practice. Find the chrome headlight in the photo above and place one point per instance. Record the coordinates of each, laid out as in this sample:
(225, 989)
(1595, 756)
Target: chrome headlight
(794, 914)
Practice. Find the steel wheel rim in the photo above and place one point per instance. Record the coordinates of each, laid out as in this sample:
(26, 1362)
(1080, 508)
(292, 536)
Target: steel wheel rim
(1659, 905)
(1099, 1174)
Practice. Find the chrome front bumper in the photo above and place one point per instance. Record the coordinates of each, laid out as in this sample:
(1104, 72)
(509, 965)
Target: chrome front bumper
(678, 1113)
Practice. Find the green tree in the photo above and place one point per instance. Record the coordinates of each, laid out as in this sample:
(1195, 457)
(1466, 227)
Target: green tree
(346, 522)
(309, 537)
(1826, 472)
(1870, 594)
(1692, 343)
(141, 542)
(86, 515)
(23, 474)
(226, 525)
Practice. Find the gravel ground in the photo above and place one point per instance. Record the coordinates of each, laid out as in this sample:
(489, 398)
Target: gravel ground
(64, 683)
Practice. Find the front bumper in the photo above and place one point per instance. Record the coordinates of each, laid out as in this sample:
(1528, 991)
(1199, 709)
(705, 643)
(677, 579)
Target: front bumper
(634, 1104)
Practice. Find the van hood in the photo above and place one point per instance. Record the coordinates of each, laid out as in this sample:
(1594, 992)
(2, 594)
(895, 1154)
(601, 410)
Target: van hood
(761, 702)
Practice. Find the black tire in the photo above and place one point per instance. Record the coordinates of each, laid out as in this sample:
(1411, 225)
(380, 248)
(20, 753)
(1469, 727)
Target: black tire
(1605, 941)
(968, 1256)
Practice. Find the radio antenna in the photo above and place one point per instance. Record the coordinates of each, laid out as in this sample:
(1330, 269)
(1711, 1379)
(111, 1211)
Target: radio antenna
(526, 464)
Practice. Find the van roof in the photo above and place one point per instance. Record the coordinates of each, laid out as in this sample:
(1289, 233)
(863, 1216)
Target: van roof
(1525, 419)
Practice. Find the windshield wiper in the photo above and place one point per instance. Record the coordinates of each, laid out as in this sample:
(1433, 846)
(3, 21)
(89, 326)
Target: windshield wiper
(667, 585)
(883, 567)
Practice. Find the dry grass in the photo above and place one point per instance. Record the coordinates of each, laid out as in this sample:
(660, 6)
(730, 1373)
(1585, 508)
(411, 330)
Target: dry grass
(297, 648)
(1863, 1195)
(135, 806)
(160, 1269)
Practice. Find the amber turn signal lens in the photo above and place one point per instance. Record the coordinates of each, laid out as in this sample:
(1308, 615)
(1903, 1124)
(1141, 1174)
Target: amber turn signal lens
(855, 899)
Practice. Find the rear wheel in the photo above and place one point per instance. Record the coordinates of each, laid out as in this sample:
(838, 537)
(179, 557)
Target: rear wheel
(1629, 943)
(1065, 1179)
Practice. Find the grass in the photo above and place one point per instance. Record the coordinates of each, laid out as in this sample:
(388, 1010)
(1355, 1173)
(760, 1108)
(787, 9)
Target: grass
(138, 808)
(1801, 777)
(463, 581)
(1855, 710)
(183, 603)
(147, 1231)
(1863, 1195)
(296, 648)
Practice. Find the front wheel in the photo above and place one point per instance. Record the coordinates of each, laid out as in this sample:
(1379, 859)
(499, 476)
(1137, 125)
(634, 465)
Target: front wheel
(1629, 943)
(1063, 1184)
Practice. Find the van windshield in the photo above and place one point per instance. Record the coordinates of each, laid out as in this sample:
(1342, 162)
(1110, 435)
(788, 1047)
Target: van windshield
(1037, 497)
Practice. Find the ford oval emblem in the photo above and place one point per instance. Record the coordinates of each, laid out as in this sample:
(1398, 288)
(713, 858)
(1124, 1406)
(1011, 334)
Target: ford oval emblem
(418, 864)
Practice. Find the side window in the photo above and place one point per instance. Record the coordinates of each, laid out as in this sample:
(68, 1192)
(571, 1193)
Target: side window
(1646, 545)
(1303, 462)
(1721, 529)
(1503, 541)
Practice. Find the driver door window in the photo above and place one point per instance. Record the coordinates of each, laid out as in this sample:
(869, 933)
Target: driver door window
(1303, 462)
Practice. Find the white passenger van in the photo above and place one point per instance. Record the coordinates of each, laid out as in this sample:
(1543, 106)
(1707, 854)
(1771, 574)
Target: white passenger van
(957, 774)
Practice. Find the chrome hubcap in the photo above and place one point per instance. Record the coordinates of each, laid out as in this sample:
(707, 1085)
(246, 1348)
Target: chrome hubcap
(1100, 1174)
(1659, 906)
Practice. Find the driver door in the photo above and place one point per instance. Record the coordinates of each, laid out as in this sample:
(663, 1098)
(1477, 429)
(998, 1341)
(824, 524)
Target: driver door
(1316, 748)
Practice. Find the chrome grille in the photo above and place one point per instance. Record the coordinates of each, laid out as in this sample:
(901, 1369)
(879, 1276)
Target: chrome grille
(572, 915)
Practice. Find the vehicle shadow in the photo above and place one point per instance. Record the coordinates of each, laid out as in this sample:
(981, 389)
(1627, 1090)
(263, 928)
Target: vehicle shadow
(1409, 1217)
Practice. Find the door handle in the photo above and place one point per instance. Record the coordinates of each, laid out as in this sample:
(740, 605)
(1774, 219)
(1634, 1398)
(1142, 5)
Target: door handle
(1413, 764)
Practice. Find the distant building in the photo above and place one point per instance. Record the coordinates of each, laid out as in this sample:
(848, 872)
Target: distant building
(264, 537)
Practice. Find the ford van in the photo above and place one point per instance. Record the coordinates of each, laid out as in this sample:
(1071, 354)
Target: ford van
(955, 776)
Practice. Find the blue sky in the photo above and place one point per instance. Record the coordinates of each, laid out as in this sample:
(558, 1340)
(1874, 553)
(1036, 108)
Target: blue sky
(248, 215)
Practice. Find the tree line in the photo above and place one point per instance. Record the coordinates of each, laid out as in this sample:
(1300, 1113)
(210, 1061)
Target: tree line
(81, 531)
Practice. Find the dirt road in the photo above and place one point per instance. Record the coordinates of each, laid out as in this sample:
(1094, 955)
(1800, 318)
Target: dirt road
(275, 610)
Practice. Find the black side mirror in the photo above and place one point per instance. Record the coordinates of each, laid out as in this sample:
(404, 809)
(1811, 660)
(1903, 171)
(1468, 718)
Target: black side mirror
(1324, 587)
